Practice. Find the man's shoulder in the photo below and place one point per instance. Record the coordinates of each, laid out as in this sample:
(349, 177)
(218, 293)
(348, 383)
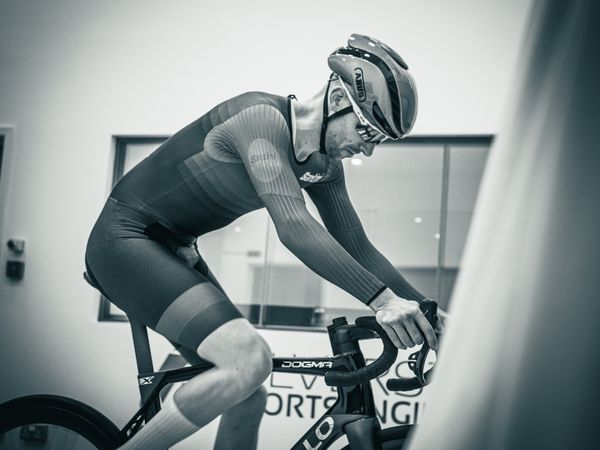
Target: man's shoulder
(254, 98)
(250, 107)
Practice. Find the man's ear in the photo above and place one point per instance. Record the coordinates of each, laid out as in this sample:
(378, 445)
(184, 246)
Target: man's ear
(336, 99)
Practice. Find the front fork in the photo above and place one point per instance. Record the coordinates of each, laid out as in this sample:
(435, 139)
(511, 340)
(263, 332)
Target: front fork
(362, 434)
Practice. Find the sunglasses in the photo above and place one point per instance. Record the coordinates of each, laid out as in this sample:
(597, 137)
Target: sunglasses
(367, 131)
(369, 134)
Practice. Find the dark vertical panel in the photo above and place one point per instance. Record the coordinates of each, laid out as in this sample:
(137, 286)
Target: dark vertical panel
(443, 221)
(1, 154)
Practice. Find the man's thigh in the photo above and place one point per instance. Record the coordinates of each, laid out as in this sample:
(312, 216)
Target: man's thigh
(155, 287)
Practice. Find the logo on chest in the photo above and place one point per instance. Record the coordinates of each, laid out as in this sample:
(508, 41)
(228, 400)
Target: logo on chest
(312, 178)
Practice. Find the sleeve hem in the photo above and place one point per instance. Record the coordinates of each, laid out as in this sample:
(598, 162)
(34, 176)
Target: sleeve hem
(374, 296)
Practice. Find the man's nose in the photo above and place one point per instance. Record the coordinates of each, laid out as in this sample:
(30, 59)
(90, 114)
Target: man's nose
(367, 149)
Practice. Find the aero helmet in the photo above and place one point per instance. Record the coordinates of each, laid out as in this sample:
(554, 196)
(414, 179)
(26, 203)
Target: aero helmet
(377, 81)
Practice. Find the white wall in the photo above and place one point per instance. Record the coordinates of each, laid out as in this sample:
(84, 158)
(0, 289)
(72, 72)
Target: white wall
(73, 74)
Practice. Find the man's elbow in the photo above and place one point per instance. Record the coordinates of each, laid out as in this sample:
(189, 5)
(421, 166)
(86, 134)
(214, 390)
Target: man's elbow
(292, 235)
(287, 239)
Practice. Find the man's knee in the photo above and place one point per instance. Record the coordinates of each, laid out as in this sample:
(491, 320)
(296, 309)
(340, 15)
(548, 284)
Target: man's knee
(236, 346)
(251, 368)
(257, 360)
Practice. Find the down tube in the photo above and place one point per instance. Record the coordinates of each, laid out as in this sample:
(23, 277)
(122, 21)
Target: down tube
(330, 427)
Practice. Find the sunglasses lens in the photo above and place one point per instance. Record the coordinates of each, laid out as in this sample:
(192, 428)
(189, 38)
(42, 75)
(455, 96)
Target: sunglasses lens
(368, 134)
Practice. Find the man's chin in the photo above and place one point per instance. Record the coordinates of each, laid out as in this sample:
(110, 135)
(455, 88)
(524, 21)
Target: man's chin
(344, 153)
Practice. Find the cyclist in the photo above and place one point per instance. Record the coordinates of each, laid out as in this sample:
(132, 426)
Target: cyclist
(255, 150)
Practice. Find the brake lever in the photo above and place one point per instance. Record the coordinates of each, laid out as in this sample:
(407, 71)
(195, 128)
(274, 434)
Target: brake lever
(416, 361)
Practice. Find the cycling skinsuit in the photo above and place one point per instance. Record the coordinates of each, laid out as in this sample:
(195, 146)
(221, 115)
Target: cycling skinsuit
(237, 158)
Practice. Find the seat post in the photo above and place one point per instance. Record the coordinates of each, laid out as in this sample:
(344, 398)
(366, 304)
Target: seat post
(141, 346)
(143, 357)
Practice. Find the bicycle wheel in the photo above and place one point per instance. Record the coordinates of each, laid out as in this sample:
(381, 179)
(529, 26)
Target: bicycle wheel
(392, 438)
(54, 422)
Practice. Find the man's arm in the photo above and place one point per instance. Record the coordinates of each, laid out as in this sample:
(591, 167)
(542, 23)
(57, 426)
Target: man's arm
(340, 218)
(397, 308)
(261, 137)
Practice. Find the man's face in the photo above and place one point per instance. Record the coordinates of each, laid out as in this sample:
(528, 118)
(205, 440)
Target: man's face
(343, 140)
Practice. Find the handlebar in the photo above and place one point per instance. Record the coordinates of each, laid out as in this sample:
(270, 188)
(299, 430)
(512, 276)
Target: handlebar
(373, 370)
(387, 357)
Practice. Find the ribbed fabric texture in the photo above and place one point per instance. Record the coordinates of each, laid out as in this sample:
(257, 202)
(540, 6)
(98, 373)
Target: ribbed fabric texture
(163, 431)
(261, 138)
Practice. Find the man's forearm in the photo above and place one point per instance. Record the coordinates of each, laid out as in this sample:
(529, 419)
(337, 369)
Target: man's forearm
(359, 246)
(310, 242)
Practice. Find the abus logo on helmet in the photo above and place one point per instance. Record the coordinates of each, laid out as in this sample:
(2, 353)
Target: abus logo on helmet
(359, 81)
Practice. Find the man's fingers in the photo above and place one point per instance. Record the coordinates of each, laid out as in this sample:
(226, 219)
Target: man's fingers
(406, 325)
(393, 336)
(427, 330)
(403, 335)
(414, 332)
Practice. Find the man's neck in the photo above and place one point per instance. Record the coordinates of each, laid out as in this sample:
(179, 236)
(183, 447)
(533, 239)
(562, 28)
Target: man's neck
(308, 120)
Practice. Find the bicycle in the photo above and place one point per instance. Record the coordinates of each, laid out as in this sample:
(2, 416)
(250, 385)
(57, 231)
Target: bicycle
(353, 414)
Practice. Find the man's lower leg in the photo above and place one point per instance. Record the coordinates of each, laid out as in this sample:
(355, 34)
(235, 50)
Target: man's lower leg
(195, 404)
(242, 362)
(239, 425)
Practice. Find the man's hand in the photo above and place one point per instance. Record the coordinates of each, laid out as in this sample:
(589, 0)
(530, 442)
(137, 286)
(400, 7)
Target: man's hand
(403, 321)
